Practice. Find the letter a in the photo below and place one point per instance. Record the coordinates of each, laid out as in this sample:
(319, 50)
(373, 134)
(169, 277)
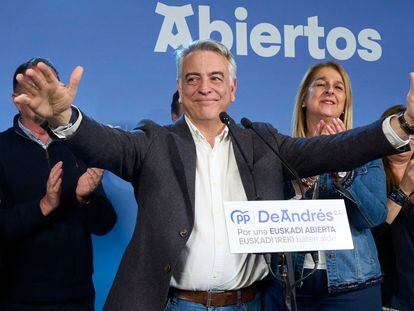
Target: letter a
(173, 15)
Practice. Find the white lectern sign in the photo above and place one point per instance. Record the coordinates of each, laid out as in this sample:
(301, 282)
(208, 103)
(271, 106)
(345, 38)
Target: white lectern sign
(286, 226)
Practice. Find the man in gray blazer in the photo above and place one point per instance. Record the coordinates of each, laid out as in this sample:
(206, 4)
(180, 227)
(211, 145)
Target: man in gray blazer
(179, 257)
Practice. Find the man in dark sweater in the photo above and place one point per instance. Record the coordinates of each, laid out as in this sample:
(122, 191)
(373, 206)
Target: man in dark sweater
(50, 204)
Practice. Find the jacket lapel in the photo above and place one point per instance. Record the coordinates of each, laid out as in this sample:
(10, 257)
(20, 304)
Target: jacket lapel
(183, 157)
(245, 143)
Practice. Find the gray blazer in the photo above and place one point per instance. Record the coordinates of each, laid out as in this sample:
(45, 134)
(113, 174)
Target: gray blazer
(160, 163)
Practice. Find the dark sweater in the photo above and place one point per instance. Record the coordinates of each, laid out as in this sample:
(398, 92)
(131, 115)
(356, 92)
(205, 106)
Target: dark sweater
(45, 259)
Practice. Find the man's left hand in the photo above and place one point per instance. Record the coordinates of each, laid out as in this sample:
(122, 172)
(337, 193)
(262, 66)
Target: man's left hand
(46, 96)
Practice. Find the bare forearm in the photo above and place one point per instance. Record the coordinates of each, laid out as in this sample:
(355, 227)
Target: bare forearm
(393, 211)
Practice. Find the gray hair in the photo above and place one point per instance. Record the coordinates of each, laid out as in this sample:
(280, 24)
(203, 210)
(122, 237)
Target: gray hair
(206, 45)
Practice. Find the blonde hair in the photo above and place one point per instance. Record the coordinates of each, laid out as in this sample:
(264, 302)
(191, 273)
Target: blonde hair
(299, 116)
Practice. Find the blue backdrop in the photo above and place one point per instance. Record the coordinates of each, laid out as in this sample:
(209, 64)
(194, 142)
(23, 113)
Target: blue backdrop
(127, 50)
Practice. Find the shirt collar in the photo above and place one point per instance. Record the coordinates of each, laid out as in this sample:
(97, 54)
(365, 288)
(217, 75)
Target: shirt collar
(197, 135)
(33, 137)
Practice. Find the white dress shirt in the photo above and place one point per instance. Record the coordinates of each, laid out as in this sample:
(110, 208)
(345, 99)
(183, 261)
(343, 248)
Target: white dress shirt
(206, 262)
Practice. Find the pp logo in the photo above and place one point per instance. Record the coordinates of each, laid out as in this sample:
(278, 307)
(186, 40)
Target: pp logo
(239, 217)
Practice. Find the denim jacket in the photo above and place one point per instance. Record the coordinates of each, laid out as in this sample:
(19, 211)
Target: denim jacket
(359, 267)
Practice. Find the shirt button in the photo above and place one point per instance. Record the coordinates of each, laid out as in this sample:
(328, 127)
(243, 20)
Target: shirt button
(167, 268)
(184, 233)
(330, 255)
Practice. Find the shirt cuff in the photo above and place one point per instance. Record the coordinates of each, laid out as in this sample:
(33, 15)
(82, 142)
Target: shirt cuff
(66, 131)
(391, 136)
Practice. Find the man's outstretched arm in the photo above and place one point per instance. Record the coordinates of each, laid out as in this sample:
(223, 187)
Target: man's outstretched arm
(51, 99)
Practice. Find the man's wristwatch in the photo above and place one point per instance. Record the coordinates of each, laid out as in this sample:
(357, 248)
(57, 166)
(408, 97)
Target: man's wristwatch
(408, 129)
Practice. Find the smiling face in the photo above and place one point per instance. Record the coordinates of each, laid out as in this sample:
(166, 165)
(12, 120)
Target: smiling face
(206, 88)
(326, 95)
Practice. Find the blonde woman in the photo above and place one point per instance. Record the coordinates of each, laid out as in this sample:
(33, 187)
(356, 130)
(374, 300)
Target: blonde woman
(344, 279)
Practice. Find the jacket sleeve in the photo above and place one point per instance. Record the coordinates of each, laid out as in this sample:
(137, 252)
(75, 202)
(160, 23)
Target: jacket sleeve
(368, 191)
(331, 153)
(99, 214)
(112, 149)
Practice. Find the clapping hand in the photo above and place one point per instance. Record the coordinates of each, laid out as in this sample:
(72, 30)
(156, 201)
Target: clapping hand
(87, 183)
(334, 127)
(51, 200)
